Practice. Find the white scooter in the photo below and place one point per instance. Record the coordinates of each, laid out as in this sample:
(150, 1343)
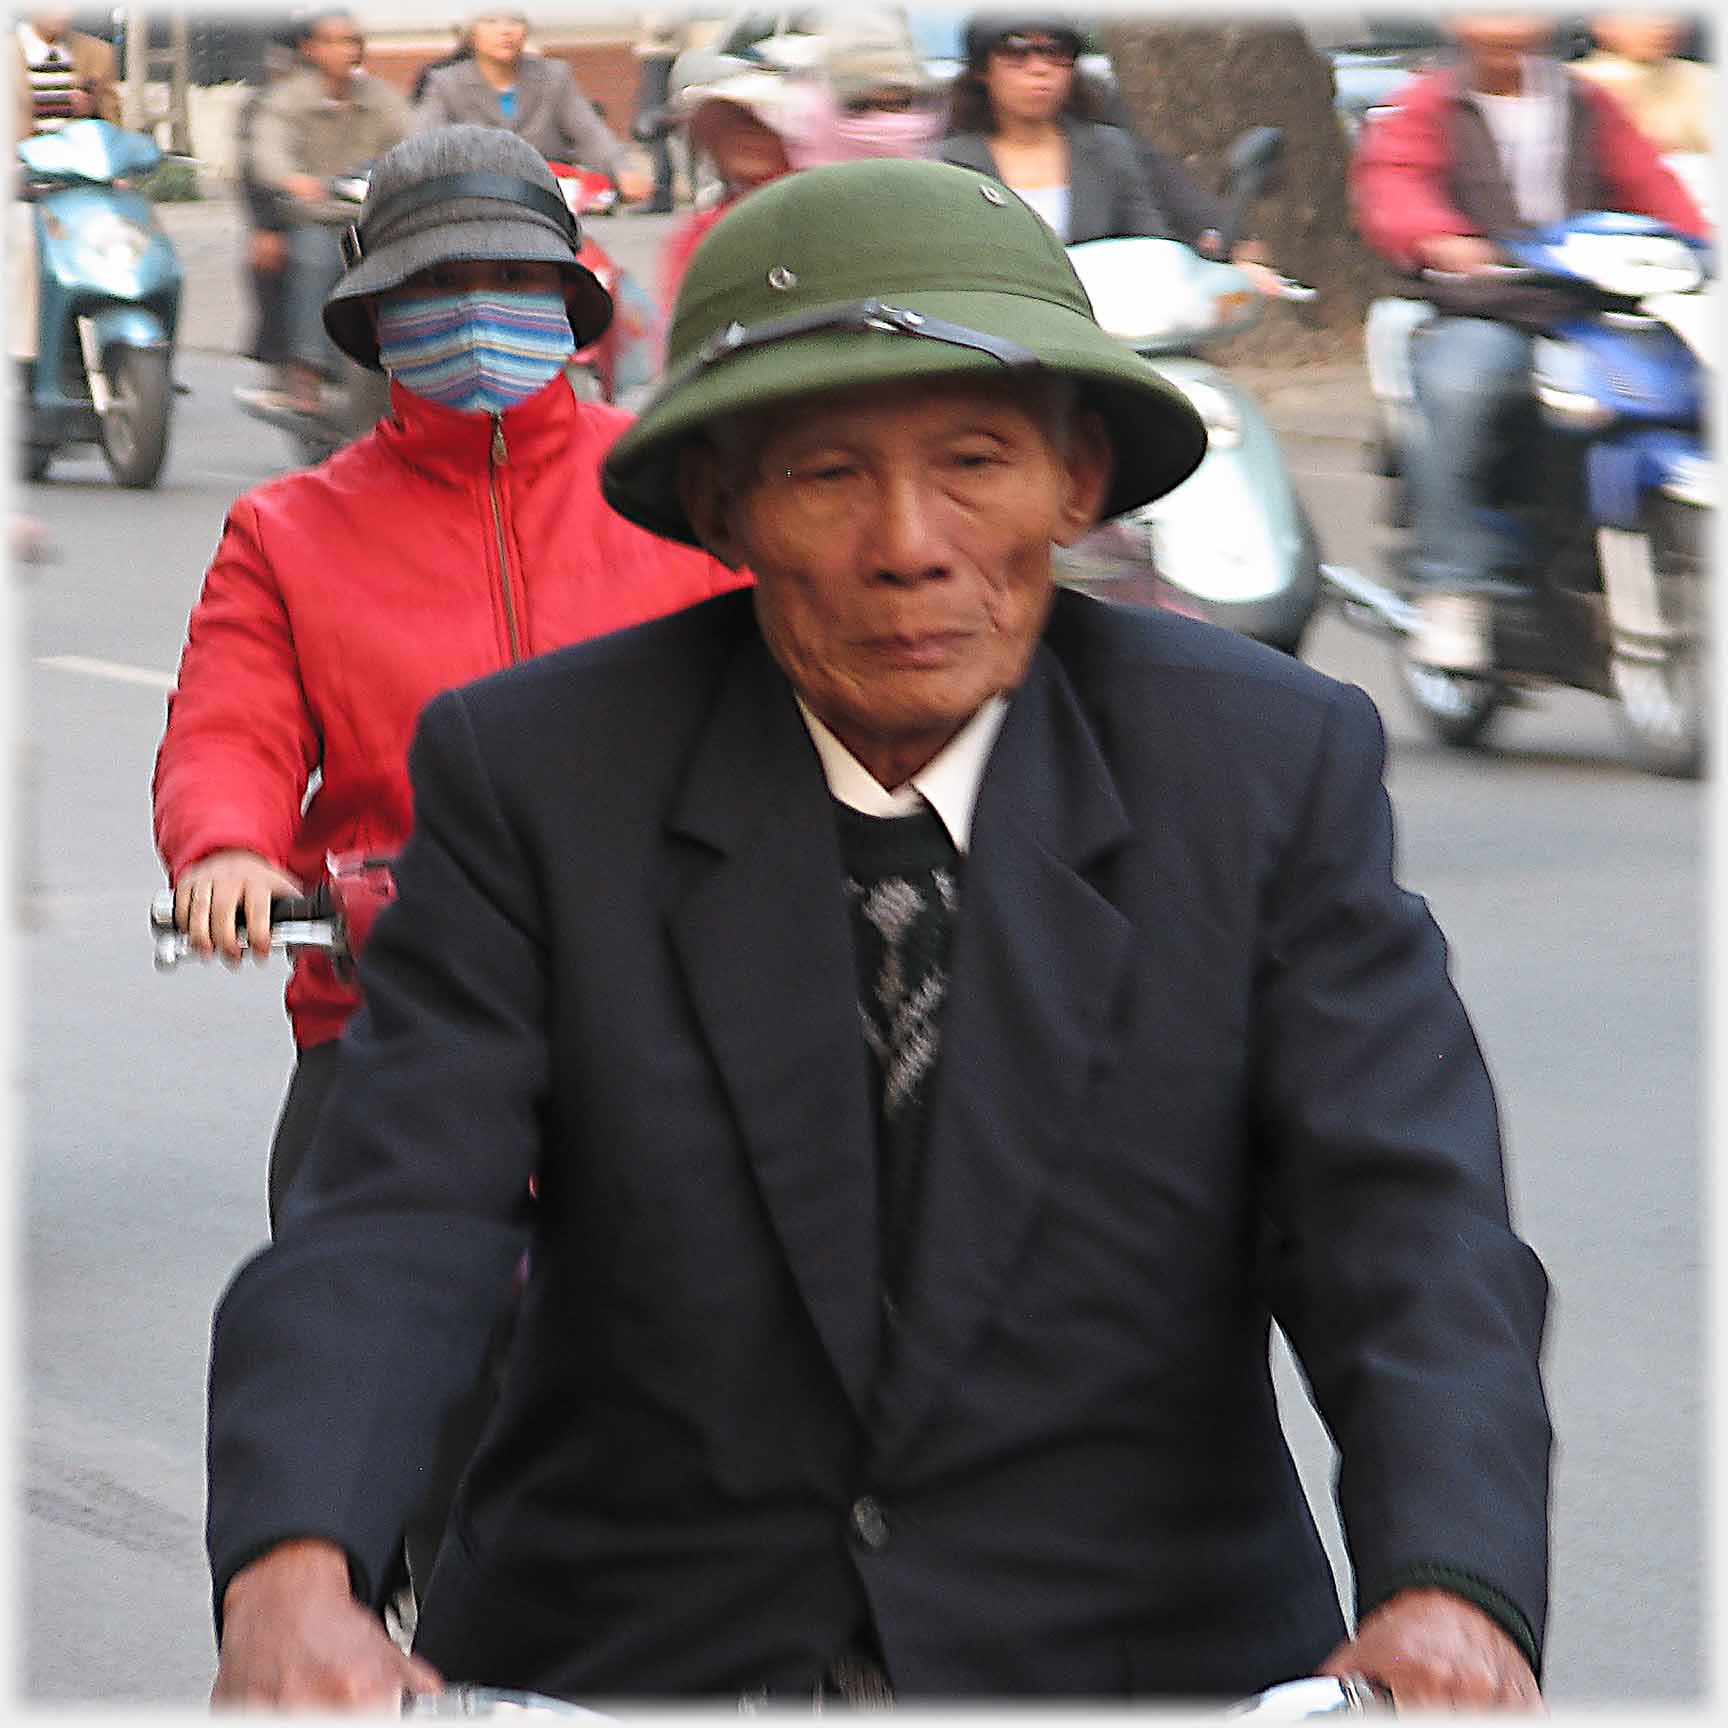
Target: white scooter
(1233, 540)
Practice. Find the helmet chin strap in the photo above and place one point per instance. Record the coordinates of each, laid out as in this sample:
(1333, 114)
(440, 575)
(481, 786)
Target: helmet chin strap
(857, 316)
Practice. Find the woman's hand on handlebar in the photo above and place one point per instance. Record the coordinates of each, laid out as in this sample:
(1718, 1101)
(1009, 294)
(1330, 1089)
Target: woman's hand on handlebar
(211, 892)
(293, 1637)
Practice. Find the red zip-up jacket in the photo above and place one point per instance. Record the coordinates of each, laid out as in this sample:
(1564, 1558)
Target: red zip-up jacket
(440, 547)
(1429, 167)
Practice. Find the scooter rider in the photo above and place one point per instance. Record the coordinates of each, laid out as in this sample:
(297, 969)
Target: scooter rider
(465, 532)
(1505, 140)
(328, 118)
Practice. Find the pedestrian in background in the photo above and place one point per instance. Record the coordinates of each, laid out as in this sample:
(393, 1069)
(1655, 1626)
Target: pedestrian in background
(1672, 101)
(62, 74)
(659, 43)
(503, 84)
(268, 221)
(328, 118)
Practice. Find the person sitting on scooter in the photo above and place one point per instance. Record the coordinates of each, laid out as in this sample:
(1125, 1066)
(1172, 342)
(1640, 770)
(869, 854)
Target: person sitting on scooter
(1022, 112)
(499, 83)
(464, 533)
(327, 119)
(1505, 140)
(737, 126)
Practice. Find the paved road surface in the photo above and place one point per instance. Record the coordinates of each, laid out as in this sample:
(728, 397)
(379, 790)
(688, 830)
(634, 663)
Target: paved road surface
(1568, 883)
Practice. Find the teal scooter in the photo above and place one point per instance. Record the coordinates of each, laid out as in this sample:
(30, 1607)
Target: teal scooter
(108, 303)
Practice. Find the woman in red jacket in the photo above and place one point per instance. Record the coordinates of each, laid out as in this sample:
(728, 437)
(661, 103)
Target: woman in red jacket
(466, 532)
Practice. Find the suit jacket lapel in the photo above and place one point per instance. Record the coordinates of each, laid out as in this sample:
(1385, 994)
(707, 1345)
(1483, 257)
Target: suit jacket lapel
(1037, 961)
(765, 944)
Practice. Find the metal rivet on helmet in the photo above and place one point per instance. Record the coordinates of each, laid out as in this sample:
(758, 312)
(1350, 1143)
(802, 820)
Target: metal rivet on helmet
(782, 278)
(991, 195)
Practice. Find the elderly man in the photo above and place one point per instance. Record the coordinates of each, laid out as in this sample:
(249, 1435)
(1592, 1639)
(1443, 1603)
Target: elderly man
(947, 1020)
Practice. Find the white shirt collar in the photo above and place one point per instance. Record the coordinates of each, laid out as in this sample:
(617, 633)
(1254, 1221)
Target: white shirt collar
(948, 783)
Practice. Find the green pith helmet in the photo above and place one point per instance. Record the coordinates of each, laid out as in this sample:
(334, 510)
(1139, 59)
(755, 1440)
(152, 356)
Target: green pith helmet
(887, 271)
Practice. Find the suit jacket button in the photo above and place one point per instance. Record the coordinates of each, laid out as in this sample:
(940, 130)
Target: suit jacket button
(869, 1523)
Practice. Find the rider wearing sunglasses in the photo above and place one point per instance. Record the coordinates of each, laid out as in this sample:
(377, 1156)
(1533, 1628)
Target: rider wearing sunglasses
(1023, 112)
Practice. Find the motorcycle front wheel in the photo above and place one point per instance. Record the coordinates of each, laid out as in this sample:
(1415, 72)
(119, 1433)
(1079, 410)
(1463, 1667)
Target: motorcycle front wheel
(135, 428)
(1664, 703)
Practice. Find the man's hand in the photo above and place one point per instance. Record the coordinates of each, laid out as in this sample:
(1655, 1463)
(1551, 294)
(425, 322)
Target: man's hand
(1459, 254)
(633, 185)
(83, 103)
(210, 892)
(1429, 1647)
(294, 1637)
(308, 188)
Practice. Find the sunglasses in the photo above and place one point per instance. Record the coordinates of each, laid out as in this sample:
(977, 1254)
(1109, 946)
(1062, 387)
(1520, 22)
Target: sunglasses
(1020, 49)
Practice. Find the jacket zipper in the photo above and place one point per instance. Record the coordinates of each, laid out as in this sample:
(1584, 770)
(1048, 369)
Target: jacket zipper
(500, 455)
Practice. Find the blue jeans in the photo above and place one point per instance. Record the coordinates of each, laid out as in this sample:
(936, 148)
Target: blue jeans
(1469, 375)
(314, 266)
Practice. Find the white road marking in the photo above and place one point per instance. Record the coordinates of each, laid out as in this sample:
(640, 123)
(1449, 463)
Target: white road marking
(113, 669)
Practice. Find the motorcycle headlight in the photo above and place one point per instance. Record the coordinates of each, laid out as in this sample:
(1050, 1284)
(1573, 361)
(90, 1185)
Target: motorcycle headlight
(1219, 414)
(1633, 265)
(112, 246)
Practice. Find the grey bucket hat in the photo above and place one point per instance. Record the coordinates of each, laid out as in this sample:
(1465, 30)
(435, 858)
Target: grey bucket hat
(449, 195)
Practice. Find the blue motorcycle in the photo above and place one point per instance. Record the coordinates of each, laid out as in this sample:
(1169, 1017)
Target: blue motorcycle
(108, 302)
(1612, 487)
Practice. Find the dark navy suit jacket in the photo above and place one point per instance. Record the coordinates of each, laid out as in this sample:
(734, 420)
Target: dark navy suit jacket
(1201, 1066)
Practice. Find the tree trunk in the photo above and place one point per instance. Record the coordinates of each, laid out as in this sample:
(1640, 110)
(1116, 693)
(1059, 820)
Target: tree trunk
(1190, 90)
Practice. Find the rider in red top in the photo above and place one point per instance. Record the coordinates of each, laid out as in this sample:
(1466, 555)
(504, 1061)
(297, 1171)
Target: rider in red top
(1507, 140)
(464, 533)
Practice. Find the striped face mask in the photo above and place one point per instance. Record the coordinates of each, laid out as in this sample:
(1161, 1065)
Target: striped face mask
(483, 351)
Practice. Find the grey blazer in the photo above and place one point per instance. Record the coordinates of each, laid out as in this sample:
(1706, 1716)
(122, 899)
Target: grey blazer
(1107, 192)
(551, 113)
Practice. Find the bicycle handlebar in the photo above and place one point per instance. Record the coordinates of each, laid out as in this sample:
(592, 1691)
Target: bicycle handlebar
(1294, 1701)
(296, 921)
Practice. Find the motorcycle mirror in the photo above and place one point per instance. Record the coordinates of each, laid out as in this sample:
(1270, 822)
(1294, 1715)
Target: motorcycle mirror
(1251, 162)
(1254, 155)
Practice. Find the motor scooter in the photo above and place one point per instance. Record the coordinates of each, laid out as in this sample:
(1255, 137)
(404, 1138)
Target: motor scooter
(1234, 540)
(1611, 488)
(108, 303)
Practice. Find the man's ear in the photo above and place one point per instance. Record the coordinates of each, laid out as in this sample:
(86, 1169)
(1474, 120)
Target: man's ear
(709, 502)
(1090, 464)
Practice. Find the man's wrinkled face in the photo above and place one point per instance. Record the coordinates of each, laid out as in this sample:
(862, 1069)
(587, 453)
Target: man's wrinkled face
(900, 536)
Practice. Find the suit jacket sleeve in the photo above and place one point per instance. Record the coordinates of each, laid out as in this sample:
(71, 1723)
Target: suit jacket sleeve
(337, 1350)
(1390, 1260)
